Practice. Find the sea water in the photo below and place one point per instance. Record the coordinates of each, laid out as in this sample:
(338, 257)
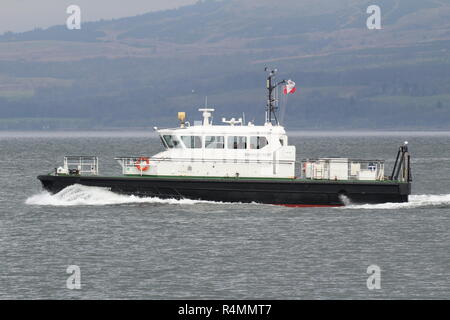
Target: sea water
(149, 248)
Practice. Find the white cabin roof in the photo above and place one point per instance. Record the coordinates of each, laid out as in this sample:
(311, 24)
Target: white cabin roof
(224, 129)
(229, 127)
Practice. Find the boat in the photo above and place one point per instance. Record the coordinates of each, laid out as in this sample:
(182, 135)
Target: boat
(238, 161)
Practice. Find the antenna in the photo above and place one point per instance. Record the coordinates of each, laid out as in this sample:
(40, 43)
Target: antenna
(271, 106)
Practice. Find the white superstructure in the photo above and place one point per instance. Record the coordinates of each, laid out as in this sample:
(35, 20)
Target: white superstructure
(232, 149)
(235, 149)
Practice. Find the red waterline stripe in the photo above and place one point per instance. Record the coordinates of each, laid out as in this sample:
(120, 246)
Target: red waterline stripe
(310, 205)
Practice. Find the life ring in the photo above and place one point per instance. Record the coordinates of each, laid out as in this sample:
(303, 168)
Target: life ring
(138, 164)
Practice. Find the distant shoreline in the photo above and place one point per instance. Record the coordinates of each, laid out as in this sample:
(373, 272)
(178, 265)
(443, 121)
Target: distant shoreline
(142, 133)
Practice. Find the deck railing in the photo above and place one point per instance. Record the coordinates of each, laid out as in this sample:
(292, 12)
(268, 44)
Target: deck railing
(81, 165)
(342, 169)
(129, 164)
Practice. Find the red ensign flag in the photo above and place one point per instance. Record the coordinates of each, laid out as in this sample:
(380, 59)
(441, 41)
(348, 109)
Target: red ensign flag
(290, 87)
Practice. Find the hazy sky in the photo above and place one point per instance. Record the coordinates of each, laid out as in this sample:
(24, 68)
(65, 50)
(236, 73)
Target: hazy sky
(22, 15)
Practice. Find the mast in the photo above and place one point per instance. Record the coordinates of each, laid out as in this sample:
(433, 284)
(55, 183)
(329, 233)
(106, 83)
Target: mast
(271, 106)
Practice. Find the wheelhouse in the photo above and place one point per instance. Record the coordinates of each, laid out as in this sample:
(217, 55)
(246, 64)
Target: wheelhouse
(226, 141)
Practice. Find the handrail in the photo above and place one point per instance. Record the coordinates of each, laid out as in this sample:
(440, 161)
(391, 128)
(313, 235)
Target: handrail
(79, 165)
(207, 160)
(342, 160)
(348, 169)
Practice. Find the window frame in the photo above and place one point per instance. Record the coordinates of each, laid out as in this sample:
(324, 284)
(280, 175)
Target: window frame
(175, 142)
(192, 136)
(244, 142)
(258, 142)
(215, 142)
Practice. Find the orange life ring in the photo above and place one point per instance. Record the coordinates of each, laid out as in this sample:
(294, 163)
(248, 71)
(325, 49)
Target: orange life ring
(138, 164)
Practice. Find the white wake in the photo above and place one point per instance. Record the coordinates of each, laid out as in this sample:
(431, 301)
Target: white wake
(415, 201)
(79, 195)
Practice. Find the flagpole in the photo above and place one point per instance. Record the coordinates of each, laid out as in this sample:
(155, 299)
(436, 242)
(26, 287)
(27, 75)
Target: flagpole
(283, 107)
(271, 102)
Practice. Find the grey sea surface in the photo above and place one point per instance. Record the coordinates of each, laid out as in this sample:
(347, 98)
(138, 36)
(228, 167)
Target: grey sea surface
(147, 248)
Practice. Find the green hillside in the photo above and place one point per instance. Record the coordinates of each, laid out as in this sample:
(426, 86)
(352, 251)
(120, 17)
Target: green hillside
(139, 71)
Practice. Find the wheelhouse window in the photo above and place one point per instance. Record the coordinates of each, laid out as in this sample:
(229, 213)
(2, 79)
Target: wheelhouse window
(163, 142)
(258, 142)
(171, 141)
(237, 142)
(192, 142)
(214, 142)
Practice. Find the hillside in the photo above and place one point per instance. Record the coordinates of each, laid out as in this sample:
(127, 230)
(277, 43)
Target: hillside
(138, 71)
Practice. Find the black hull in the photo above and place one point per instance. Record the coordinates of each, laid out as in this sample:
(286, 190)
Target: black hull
(278, 192)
